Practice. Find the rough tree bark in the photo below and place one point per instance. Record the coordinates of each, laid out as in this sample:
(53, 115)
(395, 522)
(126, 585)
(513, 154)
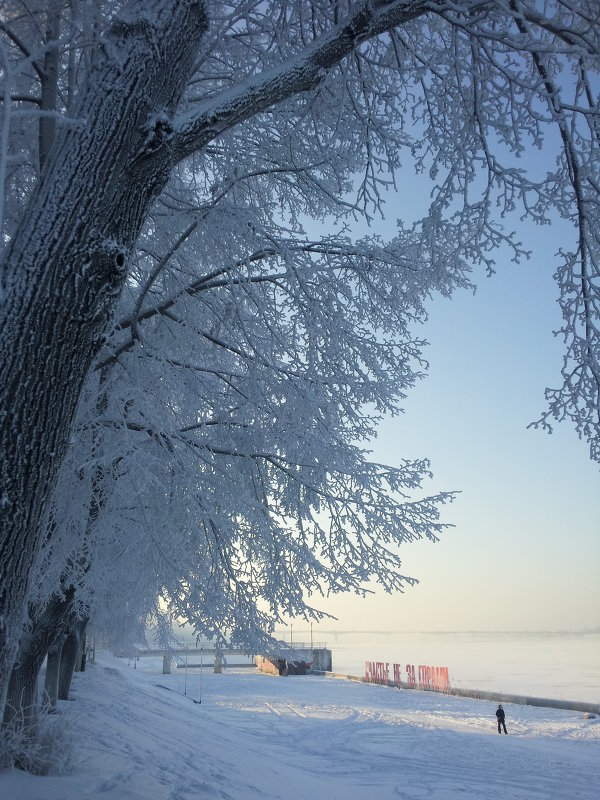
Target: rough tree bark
(67, 264)
(21, 700)
(61, 625)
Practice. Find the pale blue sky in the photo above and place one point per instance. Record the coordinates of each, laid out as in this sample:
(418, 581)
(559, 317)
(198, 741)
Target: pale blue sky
(525, 550)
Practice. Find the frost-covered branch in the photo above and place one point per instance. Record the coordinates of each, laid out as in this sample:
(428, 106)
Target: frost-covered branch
(301, 73)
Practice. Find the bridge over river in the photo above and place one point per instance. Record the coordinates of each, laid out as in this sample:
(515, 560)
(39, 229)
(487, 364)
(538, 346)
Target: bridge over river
(192, 657)
(190, 651)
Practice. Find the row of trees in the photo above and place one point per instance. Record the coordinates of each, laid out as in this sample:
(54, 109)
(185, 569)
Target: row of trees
(189, 379)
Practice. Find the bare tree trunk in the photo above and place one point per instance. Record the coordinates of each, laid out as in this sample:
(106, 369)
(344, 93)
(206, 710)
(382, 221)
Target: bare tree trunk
(80, 661)
(52, 673)
(57, 678)
(68, 659)
(67, 265)
(49, 82)
(21, 701)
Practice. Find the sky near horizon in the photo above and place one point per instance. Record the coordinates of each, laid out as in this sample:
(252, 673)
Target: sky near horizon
(524, 551)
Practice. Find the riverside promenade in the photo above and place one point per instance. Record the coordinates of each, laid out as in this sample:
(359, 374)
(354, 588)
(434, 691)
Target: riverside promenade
(478, 694)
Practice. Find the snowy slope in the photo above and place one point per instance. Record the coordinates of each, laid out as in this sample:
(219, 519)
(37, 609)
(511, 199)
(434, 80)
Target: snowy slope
(257, 736)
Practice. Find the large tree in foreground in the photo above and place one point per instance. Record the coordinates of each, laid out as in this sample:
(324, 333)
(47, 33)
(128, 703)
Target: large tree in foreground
(177, 103)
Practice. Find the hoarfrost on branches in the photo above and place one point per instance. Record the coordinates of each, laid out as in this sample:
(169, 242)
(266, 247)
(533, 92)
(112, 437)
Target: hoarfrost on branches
(218, 370)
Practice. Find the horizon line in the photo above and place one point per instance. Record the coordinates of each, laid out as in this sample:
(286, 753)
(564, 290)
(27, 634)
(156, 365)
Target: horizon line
(554, 631)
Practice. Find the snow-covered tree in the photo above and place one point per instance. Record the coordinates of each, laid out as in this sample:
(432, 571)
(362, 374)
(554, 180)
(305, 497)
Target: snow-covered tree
(182, 148)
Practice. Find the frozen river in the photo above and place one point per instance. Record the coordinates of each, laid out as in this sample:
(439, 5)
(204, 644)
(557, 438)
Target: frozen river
(562, 666)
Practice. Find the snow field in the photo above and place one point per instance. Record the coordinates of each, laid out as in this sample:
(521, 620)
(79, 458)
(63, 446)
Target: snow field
(258, 736)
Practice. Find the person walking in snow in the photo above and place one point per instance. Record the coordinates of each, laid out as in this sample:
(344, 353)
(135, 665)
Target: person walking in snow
(500, 715)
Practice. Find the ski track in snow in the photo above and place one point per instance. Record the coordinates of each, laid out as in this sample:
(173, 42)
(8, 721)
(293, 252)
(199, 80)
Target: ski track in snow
(258, 736)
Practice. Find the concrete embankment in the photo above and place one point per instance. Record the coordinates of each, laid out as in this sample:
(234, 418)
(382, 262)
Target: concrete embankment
(478, 694)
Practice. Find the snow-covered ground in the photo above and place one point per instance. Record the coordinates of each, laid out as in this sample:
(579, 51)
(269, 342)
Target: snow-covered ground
(257, 736)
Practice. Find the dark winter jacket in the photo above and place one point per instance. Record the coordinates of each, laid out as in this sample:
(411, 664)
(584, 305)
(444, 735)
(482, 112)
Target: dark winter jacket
(500, 714)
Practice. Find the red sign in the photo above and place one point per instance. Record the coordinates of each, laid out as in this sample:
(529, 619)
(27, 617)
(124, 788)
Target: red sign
(424, 677)
(377, 672)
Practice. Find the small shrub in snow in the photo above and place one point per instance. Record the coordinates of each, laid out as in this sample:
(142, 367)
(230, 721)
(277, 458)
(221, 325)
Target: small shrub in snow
(45, 748)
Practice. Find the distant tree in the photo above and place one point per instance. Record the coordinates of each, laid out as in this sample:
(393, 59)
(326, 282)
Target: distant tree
(176, 165)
